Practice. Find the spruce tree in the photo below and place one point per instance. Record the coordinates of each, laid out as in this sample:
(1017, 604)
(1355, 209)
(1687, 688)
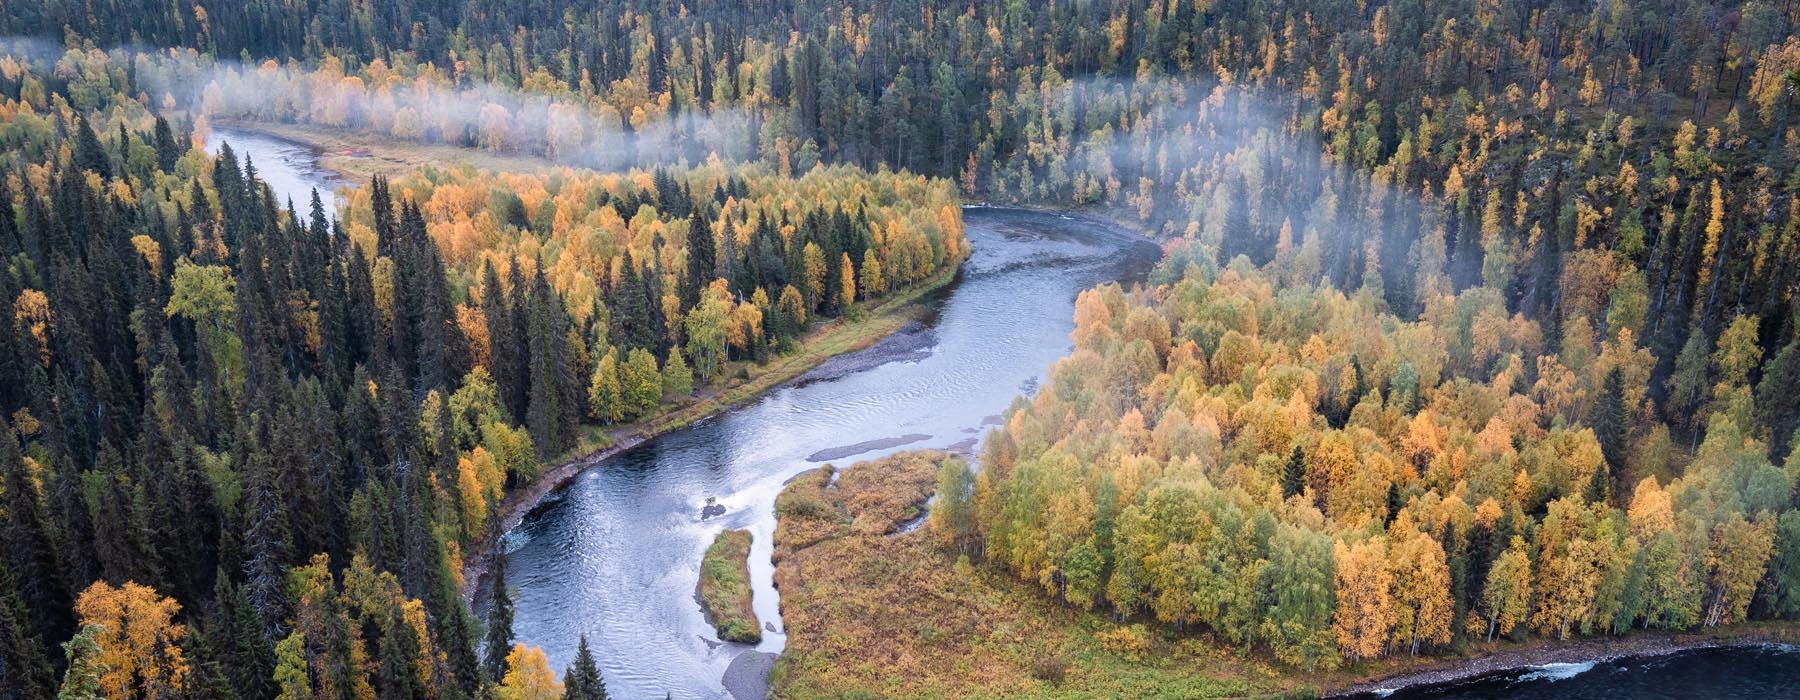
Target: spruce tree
(551, 378)
(82, 681)
(1293, 476)
(499, 640)
(167, 152)
(582, 680)
(24, 672)
(1610, 421)
(89, 154)
(30, 555)
(700, 262)
(1778, 399)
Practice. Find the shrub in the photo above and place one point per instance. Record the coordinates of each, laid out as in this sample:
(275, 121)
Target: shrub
(1133, 641)
(1051, 669)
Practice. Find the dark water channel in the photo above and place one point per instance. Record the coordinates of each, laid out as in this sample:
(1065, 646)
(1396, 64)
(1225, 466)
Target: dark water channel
(1754, 673)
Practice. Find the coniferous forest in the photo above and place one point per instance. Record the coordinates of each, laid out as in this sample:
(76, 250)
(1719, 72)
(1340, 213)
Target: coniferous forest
(1476, 320)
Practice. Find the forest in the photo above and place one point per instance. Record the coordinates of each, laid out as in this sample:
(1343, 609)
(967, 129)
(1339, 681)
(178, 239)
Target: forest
(1296, 469)
(1573, 224)
(1545, 141)
(247, 447)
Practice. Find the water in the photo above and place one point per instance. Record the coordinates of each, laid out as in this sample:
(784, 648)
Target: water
(291, 169)
(615, 554)
(1753, 673)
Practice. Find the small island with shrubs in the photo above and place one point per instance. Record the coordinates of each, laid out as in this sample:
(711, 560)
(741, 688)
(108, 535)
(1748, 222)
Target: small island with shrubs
(724, 588)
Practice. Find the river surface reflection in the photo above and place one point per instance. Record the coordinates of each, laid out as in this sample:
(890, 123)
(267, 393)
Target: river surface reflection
(615, 554)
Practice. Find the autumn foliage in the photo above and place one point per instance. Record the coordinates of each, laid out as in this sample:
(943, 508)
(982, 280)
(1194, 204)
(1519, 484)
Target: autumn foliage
(1305, 471)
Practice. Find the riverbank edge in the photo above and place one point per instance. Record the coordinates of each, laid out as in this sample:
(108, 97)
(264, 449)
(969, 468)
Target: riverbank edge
(830, 339)
(1538, 652)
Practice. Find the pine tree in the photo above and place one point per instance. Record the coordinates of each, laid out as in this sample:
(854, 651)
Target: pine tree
(268, 537)
(631, 309)
(1393, 502)
(505, 354)
(547, 418)
(247, 658)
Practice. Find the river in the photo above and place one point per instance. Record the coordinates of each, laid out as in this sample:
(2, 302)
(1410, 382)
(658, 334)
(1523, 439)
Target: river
(291, 169)
(615, 553)
(1764, 672)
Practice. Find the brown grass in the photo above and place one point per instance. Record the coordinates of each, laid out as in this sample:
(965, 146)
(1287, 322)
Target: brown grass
(876, 615)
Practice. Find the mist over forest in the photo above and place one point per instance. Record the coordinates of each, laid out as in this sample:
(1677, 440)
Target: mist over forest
(1473, 333)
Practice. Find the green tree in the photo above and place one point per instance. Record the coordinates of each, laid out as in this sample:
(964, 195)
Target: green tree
(701, 260)
(706, 335)
(953, 511)
(290, 668)
(1735, 557)
(605, 393)
(1778, 399)
(582, 680)
(1506, 599)
(1687, 386)
(206, 295)
(1293, 475)
(640, 384)
(499, 640)
(82, 680)
(1610, 419)
(1781, 596)
(1297, 589)
(24, 670)
(677, 379)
